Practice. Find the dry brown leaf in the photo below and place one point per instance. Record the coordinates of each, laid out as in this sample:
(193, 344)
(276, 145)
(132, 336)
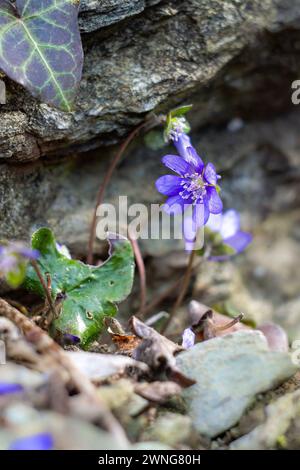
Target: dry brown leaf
(158, 352)
(207, 323)
(124, 342)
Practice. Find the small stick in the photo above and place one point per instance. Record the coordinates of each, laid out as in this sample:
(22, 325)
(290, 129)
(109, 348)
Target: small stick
(104, 185)
(18, 305)
(45, 287)
(183, 289)
(49, 283)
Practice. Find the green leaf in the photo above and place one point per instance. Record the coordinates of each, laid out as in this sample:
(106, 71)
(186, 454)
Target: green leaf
(180, 111)
(89, 293)
(40, 48)
(175, 119)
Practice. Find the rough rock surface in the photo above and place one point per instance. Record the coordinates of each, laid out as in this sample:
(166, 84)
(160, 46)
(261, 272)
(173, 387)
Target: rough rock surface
(170, 428)
(96, 14)
(155, 59)
(230, 371)
(280, 417)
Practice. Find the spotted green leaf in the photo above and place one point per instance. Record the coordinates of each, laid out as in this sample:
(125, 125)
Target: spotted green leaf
(40, 48)
(88, 293)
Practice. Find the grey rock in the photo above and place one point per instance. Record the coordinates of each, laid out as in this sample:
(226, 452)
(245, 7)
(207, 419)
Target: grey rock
(117, 395)
(230, 371)
(96, 14)
(99, 367)
(279, 417)
(288, 315)
(171, 429)
(169, 52)
(276, 336)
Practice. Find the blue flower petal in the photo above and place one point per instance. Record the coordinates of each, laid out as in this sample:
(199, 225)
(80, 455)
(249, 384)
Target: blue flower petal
(43, 441)
(230, 223)
(188, 338)
(170, 185)
(215, 204)
(200, 214)
(210, 174)
(189, 232)
(71, 338)
(182, 142)
(239, 241)
(176, 205)
(194, 159)
(178, 164)
(214, 222)
(28, 253)
(7, 388)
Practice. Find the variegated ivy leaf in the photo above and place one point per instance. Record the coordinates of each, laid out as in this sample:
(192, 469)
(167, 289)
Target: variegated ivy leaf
(87, 293)
(40, 48)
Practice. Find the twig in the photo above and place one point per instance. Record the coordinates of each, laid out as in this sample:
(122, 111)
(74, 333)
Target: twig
(142, 272)
(18, 305)
(45, 345)
(183, 289)
(45, 287)
(104, 185)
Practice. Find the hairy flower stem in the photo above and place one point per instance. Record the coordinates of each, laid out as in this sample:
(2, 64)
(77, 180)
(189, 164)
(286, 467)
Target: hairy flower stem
(45, 288)
(104, 185)
(183, 289)
(142, 273)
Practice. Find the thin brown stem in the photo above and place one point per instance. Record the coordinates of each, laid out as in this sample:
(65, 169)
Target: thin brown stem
(183, 289)
(49, 289)
(104, 185)
(45, 287)
(142, 272)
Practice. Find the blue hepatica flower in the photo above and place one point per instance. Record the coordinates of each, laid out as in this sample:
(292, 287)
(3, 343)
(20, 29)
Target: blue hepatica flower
(188, 338)
(12, 254)
(13, 260)
(228, 226)
(43, 441)
(8, 388)
(194, 185)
